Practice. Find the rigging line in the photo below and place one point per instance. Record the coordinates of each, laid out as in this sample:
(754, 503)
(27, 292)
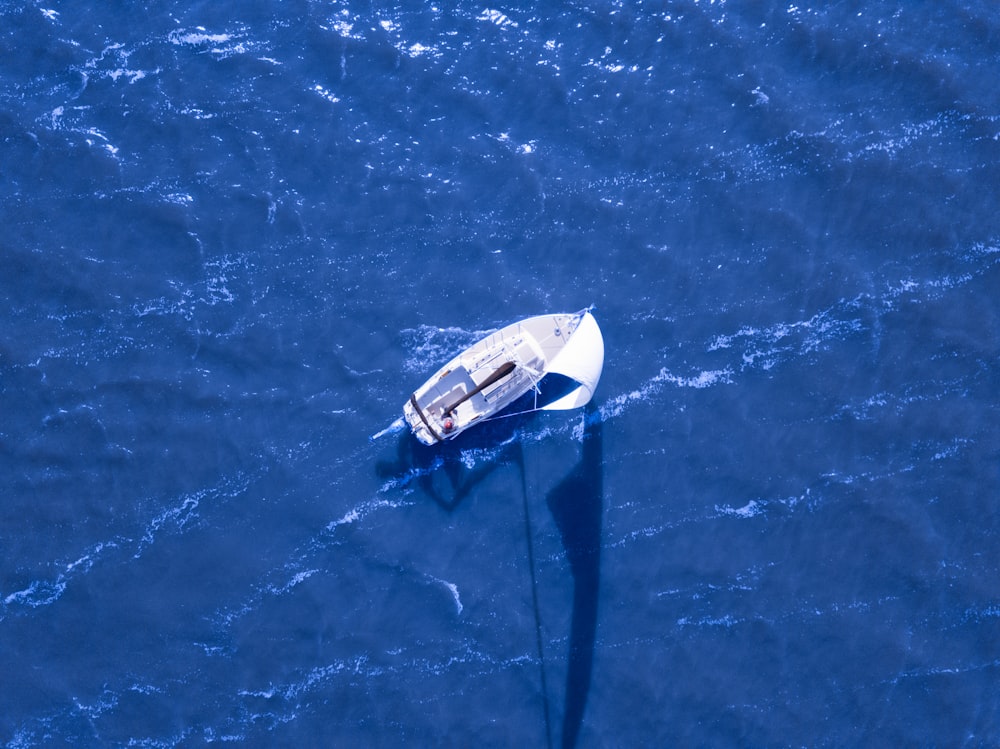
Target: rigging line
(534, 599)
(516, 413)
(533, 373)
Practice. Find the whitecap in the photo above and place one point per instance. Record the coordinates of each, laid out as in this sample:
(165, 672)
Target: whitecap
(133, 76)
(185, 514)
(220, 45)
(296, 579)
(703, 379)
(345, 29)
(417, 49)
(39, 593)
(45, 592)
(328, 95)
(198, 37)
(361, 511)
(720, 621)
(496, 17)
(749, 510)
(453, 589)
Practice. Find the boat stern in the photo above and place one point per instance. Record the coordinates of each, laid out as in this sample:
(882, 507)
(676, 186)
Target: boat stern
(420, 423)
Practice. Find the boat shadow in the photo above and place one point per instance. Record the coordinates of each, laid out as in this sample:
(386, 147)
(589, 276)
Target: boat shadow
(443, 472)
(577, 507)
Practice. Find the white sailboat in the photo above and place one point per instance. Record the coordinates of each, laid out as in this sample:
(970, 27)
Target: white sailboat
(487, 377)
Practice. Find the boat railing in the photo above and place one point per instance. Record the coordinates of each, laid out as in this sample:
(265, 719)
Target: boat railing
(502, 351)
(499, 391)
(515, 381)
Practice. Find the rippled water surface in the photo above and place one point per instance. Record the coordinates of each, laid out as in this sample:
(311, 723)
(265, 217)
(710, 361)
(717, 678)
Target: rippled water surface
(238, 236)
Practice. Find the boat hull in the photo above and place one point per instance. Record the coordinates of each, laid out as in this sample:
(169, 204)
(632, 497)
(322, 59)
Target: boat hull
(488, 376)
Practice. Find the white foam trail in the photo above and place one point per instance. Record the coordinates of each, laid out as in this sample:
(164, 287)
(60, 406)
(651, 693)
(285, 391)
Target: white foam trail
(360, 511)
(45, 592)
(751, 508)
(393, 428)
(185, 514)
(703, 379)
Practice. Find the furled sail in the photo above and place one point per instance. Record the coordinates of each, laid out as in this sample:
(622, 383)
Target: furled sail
(582, 360)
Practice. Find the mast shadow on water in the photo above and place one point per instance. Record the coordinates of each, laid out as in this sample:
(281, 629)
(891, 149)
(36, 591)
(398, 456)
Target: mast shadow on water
(443, 472)
(576, 504)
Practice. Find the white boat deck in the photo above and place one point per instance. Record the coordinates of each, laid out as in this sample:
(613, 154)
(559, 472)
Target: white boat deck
(451, 401)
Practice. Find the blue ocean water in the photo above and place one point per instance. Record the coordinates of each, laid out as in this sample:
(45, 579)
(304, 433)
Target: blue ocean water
(237, 235)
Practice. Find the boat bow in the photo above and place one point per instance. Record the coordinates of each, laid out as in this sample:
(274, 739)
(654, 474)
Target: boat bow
(582, 360)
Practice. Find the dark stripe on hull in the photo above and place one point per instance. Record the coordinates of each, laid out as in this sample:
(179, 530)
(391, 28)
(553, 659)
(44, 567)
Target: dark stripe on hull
(413, 402)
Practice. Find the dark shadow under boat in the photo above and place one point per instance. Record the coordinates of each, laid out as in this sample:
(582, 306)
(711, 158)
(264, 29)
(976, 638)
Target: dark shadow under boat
(576, 504)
